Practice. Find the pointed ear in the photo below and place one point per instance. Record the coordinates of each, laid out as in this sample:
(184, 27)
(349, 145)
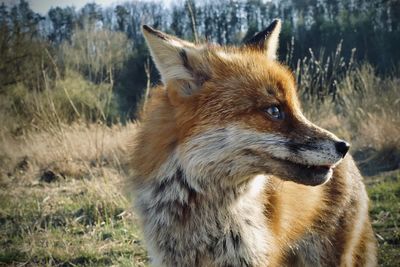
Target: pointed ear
(267, 40)
(176, 60)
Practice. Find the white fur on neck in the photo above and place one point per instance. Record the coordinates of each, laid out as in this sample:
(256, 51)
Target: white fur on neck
(214, 222)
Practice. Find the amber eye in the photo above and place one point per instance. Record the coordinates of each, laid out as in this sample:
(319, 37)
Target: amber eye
(274, 112)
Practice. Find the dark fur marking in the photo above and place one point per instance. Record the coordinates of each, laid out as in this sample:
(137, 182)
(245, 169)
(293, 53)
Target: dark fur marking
(224, 246)
(155, 32)
(220, 130)
(258, 40)
(293, 147)
(297, 147)
(248, 152)
(200, 76)
(310, 145)
(185, 60)
(244, 262)
(160, 188)
(248, 222)
(221, 145)
(270, 92)
(178, 210)
(236, 239)
(182, 181)
(212, 245)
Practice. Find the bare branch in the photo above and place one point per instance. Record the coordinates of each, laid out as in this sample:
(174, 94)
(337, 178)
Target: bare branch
(193, 20)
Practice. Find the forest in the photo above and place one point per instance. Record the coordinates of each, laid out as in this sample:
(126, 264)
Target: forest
(72, 87)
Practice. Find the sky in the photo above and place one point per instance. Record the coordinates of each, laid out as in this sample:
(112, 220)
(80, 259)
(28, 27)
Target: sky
(42, 6)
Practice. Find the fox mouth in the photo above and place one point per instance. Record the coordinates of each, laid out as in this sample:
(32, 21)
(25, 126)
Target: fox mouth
(311, 175)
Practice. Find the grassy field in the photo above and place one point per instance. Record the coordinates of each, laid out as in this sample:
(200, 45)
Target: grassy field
(61, 201)
(67, 223)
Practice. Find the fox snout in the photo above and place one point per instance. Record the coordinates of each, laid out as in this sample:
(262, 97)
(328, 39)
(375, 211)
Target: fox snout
(309, 155)
(342, 147)
(312, 145)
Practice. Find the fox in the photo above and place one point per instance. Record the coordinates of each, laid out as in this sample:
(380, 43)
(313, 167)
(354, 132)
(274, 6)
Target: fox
(225, 169)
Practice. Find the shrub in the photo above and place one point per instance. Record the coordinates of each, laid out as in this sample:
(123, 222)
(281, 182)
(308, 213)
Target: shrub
(63, 101)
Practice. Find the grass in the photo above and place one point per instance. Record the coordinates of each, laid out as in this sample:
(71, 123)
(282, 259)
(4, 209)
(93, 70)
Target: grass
(79, 215)
(68, 223)
(384, 192)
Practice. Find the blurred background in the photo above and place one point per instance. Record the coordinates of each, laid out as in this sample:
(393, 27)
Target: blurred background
(73, 79)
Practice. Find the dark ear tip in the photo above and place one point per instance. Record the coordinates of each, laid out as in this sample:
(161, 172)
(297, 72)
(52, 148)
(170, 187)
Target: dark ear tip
(150, 30)
(276, 20)
(274, 23)
(147, 28)
(259, 38)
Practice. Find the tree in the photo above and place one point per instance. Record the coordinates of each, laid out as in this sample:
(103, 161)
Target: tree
(23, 55)
(177, 27)
(63, 21)
(122, 18)
(97, 54)
(90, 16)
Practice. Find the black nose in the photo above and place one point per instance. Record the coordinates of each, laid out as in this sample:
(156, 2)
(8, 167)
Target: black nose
(342, 147)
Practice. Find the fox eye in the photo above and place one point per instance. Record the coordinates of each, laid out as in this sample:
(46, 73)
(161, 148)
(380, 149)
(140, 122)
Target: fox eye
(274, 112)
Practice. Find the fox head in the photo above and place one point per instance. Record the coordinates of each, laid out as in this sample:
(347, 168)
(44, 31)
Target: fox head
(231, 113)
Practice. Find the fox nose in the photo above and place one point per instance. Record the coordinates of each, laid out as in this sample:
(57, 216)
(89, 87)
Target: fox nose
(342, 147)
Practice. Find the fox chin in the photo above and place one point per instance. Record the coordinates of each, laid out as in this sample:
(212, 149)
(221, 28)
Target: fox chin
(227, 171)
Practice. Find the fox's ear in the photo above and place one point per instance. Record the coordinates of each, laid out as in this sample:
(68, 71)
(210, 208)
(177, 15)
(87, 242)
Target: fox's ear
(267, 40)
(178, 61)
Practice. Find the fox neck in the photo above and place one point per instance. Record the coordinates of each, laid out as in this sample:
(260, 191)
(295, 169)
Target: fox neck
(171, 183)
(217, 219)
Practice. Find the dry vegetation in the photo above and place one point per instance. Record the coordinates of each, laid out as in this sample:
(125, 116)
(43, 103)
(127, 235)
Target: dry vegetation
(366, 111)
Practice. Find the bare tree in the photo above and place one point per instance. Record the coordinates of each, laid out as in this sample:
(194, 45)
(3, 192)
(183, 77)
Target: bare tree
(192, 20)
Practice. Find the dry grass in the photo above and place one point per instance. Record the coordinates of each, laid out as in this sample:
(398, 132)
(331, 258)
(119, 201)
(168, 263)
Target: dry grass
(350, 99)
(366, 112)
(72, 150)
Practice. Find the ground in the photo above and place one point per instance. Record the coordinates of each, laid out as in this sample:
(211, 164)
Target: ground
(71, 211)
